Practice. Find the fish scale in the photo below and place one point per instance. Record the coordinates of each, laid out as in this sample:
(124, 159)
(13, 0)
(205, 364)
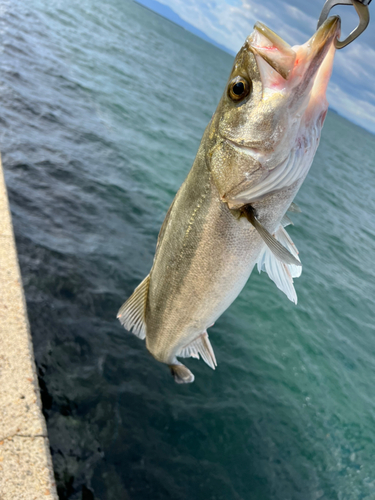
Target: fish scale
(227, 216)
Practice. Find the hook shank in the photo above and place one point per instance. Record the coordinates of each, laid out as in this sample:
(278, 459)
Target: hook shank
(361, 6)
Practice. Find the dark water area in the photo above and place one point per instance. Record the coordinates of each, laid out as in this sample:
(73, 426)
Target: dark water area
(103, 105)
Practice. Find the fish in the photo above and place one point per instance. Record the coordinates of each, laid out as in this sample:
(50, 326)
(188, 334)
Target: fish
(230, 213)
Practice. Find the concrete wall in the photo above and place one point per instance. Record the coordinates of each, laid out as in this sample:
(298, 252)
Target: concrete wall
(25, 463)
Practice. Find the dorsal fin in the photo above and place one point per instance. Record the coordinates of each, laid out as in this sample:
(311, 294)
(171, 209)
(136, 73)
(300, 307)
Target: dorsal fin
(132, 313)
(280, 273)
(200, 346)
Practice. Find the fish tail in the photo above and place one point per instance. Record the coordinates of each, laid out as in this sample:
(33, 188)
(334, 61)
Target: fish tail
(181, 374)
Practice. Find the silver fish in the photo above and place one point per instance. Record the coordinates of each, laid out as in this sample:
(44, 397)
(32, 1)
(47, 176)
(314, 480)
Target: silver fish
(229, 213)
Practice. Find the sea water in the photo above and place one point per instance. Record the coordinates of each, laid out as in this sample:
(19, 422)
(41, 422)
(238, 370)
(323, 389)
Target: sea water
(103, 105)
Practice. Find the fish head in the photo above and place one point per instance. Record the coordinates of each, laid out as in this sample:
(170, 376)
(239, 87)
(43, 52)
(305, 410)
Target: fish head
(274, 101)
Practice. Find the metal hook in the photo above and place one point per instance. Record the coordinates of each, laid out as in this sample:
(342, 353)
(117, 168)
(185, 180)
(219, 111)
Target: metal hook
(361, 6)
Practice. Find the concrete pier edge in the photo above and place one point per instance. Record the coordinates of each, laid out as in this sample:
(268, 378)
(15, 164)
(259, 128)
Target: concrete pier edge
(26, 471)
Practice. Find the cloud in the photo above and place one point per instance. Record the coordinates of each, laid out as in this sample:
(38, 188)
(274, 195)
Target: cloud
(360, 111)
(229, 22)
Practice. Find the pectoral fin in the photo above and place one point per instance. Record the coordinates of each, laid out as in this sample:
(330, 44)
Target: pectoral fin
(279, 251)
(132, 313)
(281, 274)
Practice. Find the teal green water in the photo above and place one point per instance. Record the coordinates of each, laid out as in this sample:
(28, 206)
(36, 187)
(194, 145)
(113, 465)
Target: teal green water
(102, 109)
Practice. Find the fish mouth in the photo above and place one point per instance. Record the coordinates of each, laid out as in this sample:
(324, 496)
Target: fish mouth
(319, 53)
(327, 32)
(291, 61)
(312, 55)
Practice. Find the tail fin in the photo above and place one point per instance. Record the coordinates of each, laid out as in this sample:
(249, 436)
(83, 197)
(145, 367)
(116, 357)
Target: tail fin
(181, 374)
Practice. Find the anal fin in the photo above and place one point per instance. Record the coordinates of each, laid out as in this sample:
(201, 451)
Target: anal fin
(286, 221)
(294, 208)
(200, 346)
(132, 313)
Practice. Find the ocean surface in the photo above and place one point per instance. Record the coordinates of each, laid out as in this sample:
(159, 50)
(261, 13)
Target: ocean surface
(103, 105)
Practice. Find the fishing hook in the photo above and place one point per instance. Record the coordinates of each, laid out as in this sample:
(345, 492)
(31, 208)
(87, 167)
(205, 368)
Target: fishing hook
(361, 6)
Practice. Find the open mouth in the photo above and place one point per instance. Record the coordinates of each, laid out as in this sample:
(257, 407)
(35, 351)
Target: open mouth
(329, 30)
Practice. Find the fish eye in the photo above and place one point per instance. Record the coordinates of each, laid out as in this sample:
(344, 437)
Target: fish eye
(238, 88)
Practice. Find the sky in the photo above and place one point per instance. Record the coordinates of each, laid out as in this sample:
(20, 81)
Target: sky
(351, 91)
